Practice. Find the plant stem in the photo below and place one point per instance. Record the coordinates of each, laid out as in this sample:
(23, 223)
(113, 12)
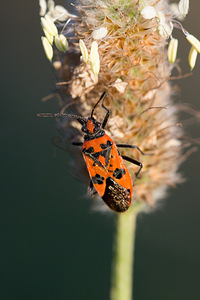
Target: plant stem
(122, 267)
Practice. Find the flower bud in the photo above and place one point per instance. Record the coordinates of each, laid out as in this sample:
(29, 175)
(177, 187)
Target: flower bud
(58, 12)
(61, 42)
(165, 30)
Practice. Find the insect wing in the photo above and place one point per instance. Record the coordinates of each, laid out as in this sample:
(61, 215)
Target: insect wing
(107, 163)
(118, 170)
(98, 174)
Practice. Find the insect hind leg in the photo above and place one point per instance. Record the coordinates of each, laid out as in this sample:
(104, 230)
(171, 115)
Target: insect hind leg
(135, 162)
(91, 189)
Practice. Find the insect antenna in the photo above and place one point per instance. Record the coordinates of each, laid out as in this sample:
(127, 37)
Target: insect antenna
(81, 120)
(101, 98)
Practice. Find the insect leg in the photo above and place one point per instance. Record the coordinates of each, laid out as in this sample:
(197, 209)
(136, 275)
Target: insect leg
(58, 142)
(91, 189)
(132, 146)
(77, 143)
(135, 162)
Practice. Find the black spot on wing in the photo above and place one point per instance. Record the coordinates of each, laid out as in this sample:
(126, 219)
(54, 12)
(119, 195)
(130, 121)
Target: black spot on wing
(100, 153)
(107, 145)
(96, 154)
(98, 179)
(118, 173)
(88, 150)
(104, 153)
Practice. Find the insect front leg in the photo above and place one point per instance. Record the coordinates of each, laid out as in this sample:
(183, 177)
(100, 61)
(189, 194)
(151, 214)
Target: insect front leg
(77, 143)
(59, 142)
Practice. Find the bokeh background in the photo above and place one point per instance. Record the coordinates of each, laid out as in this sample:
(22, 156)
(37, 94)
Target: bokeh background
(52, 245)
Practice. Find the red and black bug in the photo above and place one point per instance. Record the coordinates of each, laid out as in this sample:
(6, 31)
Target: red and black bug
(109, 176)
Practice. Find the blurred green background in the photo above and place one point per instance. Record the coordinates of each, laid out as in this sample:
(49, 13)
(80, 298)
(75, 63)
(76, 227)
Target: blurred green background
(53, 246)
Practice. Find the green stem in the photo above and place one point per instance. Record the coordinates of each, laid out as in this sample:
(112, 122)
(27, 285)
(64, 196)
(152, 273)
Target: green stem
(122, 268)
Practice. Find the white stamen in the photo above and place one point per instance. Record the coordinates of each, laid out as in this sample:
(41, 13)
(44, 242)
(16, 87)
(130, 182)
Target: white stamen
(47, 48)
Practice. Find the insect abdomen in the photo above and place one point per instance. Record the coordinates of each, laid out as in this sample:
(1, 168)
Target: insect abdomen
(116, 196)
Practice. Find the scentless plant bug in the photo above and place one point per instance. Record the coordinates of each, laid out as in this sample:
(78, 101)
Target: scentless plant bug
(109, 176)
